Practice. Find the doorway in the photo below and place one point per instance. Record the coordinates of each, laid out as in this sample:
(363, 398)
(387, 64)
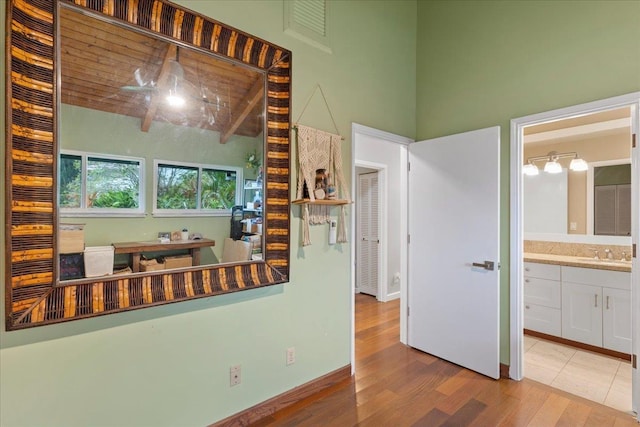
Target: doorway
(368, 232)
(520, 129)
(385, 153)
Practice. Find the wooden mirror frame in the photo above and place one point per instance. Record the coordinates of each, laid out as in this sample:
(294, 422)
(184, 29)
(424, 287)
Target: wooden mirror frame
(33, 296)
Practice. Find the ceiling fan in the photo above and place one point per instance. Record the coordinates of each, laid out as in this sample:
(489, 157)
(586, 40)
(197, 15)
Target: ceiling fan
(172, 81)
(143, 86)
(173, 76)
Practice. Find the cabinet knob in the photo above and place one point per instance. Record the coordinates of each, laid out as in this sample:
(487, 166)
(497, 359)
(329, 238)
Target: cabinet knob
(526, 280)
(527, 269)
(527, 307)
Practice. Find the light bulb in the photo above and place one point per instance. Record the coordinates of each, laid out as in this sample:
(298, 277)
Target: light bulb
(552, 167)
(578, 165)
(175, 100)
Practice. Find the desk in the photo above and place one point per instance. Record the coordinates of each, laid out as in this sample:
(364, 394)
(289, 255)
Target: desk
(137, 248)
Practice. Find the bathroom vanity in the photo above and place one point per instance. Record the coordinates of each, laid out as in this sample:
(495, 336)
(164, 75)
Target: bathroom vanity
(579, 299)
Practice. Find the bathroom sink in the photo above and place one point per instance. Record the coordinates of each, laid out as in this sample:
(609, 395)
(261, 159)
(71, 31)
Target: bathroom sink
(606, 261)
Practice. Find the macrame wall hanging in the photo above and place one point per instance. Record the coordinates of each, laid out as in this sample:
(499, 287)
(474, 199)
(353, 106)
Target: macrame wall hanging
(321, 183)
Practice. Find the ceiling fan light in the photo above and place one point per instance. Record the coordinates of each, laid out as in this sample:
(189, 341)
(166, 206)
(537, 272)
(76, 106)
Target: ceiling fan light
(175, 100)
(552, 167)
(578, 165)
(530, 169)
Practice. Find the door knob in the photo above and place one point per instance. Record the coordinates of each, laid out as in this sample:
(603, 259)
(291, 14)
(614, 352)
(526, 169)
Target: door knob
(487, 265)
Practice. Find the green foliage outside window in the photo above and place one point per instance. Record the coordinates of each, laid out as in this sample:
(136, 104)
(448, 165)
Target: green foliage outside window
(218, 189)
(70, 181)
(177, 188)
(110, 183)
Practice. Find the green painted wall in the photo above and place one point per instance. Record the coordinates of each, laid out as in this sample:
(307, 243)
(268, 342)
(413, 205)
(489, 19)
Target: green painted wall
(478, 64)
(169, 365)
(483, 63)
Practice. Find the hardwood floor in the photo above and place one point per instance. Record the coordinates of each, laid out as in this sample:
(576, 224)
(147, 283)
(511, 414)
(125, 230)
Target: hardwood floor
(395, 385)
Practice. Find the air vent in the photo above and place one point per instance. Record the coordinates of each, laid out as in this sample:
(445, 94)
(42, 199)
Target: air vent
(307, 20)
(310, 14)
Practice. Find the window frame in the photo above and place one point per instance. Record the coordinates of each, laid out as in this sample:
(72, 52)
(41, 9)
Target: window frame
(198, 211)
(83, 210)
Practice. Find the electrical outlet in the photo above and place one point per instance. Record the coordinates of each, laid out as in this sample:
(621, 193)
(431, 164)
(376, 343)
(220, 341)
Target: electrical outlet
(235, 375)
(291, 356)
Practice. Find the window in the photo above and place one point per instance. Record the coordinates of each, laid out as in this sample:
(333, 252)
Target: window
(194, 189)
(92, 184)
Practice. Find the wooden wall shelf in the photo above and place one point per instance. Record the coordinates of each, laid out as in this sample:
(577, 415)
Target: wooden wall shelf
(336, 202)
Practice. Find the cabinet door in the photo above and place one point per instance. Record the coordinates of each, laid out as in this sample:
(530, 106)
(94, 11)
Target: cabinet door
(582, 313)
(543, 319)
(616, 320)
(542, 292)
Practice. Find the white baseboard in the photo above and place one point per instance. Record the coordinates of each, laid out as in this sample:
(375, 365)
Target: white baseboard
(393, 296)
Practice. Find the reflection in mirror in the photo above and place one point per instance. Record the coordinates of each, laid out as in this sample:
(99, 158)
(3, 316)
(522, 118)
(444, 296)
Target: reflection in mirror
(563, 204)
(158, 143)
(611, 199)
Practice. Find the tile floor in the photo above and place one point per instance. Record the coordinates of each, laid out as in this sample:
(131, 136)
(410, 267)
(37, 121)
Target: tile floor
(596, 377)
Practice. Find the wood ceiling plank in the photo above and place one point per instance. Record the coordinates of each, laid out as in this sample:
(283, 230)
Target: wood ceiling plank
(100, 58)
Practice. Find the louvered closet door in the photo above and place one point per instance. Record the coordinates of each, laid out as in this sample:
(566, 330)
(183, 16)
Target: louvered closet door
(605, 210)
(368, 238)
(613, 210)
(623, 210)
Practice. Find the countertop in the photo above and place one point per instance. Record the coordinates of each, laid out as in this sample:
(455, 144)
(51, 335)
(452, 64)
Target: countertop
(573, 261)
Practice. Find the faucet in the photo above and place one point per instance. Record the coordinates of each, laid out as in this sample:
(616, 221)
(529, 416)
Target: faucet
(609, 253)
(595, 253)
(624, 256)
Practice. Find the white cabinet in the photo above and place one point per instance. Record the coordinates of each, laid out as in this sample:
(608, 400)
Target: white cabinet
(596, 307)
(587, 305)
(542, 298)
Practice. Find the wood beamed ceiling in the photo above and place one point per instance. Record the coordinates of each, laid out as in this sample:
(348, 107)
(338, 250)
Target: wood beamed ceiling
(109, 68)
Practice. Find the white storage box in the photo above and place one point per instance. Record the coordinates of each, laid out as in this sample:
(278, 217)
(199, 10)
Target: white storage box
(98, 261)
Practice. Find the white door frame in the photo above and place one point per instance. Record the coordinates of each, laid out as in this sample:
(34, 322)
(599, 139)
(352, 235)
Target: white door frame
(403, 142)
(381, 169)
(516, 239)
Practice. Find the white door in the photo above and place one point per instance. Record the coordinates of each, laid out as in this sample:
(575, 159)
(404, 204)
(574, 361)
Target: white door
(454, 223)
(368, 234)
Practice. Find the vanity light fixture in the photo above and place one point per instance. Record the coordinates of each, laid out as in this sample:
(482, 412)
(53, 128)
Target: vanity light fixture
(552, 165)
(530, 169)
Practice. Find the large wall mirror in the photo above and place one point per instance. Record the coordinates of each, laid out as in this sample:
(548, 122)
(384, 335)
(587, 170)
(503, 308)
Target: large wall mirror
(579, 204)
(147, 159)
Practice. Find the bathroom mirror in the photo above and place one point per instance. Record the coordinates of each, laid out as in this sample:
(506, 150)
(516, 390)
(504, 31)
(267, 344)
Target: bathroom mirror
(561, 207)
(93, 141)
